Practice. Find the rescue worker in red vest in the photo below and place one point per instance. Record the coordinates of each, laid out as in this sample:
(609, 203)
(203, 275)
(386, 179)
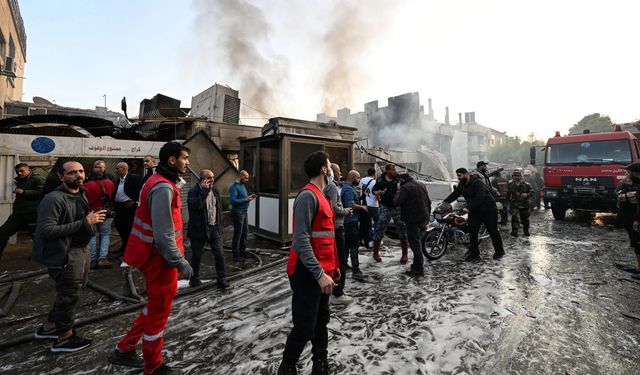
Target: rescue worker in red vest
(312, 269)
(155, 247)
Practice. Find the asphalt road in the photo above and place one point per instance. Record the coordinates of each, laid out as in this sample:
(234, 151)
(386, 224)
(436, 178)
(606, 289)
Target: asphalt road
(553, 305)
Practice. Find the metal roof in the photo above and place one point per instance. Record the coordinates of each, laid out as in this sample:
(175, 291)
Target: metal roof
(97, 127)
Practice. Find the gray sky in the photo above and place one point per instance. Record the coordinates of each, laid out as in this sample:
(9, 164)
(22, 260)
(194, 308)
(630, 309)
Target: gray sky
(522, 66)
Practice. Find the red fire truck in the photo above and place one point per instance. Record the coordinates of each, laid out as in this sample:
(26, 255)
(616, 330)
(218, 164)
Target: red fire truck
(581, 172)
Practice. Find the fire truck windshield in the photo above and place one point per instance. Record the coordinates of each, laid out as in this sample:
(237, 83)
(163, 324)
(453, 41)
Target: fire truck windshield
(593, 152)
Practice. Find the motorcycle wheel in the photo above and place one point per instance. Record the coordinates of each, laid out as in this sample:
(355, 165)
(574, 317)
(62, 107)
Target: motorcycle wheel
(431, 247)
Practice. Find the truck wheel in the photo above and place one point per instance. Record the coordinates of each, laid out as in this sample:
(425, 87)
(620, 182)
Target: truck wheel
(559, 212)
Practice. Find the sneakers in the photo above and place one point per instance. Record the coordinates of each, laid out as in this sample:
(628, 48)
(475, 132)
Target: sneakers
(340, 300)
(129, 359)
(71, 344)
(194, 281)
(163, 369)
(104, 263)
(45, 334)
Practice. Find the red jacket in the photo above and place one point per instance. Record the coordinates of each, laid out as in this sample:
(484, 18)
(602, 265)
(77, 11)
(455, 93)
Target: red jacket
(323, 241)
(96, 196)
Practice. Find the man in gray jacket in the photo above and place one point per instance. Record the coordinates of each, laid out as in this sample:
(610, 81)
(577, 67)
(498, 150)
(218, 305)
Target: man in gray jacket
(63, 231)
(331, 191)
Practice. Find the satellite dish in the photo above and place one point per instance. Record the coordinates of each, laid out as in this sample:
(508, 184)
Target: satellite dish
(41, 101)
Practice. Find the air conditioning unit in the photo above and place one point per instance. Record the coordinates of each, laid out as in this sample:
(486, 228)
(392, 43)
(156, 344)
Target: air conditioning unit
(10, 65)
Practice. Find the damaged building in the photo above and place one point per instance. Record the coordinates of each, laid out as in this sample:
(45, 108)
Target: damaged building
(416, 137)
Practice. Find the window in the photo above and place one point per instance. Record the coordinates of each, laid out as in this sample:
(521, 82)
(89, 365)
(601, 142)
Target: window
(269, 167)
(299, 152)
(9, 62)
(3, 45)
(249, 165)
(340, 156)
(595, 152)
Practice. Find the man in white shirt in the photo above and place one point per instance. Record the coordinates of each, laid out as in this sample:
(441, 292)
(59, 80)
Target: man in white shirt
(366, 186)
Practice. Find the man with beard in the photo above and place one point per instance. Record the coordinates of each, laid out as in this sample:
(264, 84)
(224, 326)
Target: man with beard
(350, 200)
(519, 194)
(63, 231)
(149, 164)
(156, 249)
(385, 189)
(28, 193)
(312, 268)
(240, 199)
(332, 192)
(481, 207)
(128, 187)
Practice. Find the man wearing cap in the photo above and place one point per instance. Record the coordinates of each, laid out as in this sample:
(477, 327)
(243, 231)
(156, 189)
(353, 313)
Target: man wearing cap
(481, 207)
(519, 193)
(481, 171)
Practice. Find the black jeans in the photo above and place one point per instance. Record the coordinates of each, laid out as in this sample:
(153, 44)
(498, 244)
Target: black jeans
(489, 217)
(338, 290)
(414, 233)
(124, 221)
(519, 215)
(365, 226)
(197, 246)
(13, 224)
(352, 239)
(69, 279)
(240, 230)
(310, 311)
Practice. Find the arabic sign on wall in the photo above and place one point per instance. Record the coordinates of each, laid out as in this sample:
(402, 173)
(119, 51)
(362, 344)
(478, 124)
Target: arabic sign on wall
(22, 144)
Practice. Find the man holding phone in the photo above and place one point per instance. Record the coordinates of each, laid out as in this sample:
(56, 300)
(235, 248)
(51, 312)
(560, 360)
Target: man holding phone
(312, 268)
(205, 225)
(240, 199)
(65, 226)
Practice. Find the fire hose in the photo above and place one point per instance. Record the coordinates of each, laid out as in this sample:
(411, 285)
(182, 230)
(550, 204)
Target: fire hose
(133, 307)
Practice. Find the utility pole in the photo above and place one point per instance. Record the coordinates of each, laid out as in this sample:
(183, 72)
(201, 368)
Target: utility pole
(105, 100)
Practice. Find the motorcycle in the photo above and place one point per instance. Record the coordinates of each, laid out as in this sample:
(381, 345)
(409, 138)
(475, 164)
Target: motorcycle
(448, 228)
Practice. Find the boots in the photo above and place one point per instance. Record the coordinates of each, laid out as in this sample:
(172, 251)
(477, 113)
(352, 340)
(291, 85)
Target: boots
(376, 250)
(405, 249)
(320, 366)
(288, 368)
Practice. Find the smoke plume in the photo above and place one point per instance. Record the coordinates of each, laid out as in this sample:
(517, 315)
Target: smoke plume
(347, 42)
(238, 32)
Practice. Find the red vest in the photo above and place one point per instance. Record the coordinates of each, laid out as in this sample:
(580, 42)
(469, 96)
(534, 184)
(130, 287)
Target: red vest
(140, 244)
(323, 241)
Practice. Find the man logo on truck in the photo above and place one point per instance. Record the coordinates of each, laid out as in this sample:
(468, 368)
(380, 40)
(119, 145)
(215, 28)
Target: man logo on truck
(586, 180)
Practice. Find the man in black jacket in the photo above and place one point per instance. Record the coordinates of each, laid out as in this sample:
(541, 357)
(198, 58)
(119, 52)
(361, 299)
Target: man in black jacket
(205, 225)
(385, 189)
(28, 193)
(126, 201)
(63, 231)
(415, 209)
(481, 207)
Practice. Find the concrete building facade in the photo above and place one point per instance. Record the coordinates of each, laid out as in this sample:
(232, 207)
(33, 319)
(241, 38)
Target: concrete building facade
(13, 51)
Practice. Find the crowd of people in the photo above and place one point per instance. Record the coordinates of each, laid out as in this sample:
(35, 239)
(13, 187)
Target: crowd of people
(334, 216)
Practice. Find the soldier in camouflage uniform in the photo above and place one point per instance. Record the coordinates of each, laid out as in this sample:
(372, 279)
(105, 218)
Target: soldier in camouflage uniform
(519, 195)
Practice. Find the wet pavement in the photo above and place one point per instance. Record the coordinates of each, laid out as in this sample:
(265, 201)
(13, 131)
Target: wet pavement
(553, 305)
